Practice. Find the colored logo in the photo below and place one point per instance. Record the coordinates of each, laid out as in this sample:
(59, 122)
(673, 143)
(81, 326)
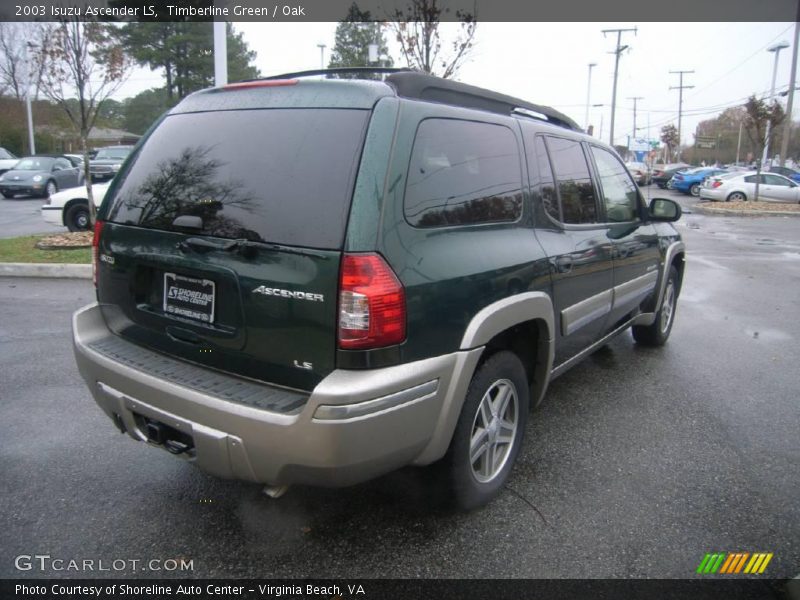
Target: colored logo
(732, 563)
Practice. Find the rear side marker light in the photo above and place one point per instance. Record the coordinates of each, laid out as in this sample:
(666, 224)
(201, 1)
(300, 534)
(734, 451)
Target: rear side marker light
(716, 184)
(98, 230)
(256, 84)
(372, 304)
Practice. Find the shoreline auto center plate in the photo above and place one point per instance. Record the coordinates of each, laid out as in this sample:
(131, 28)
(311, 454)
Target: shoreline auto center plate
(189, 297)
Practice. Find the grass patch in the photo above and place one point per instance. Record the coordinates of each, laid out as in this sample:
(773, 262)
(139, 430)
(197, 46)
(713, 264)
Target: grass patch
(23, 250)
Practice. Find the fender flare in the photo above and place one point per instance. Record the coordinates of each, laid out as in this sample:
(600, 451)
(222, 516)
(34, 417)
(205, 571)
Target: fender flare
(486, 324)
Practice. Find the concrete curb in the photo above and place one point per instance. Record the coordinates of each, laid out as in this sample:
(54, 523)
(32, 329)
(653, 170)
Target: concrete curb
(707, 210)
(61, 270)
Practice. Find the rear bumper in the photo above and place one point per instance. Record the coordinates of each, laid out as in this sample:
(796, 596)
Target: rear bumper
(711, 194)
(355, 425)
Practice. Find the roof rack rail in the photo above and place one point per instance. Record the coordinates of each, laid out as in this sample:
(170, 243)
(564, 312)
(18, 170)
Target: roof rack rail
(337, 71)
(411, 83)
(414, 84)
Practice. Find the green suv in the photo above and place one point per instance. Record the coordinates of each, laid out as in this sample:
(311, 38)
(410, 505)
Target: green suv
(317, 281)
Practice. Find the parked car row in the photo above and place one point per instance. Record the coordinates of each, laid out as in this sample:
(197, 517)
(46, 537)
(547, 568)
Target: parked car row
(42, 175)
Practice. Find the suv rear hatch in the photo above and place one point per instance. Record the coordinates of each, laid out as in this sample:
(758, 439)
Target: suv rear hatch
(222, 239)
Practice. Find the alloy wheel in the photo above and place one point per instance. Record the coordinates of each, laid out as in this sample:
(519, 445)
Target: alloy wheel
(494, 430)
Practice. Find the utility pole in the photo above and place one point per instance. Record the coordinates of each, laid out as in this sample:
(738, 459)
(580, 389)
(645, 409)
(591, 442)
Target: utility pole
(777, 50)
(634, 98)
(680, 89)
(787, 128)
(617, 52)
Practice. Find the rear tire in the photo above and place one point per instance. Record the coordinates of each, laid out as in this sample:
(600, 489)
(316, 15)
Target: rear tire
(695, 190)
(658, 333)
(77, 217)
(736, 197)
(489, 432)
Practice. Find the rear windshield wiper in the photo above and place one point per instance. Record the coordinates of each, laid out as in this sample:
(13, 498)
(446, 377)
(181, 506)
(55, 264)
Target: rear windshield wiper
(244, 247)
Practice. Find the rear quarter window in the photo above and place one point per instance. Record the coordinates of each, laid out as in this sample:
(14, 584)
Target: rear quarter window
(463, 173)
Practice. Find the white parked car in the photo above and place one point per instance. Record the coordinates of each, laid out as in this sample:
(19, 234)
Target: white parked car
(71, 207)
(7, 160)
(737, 186)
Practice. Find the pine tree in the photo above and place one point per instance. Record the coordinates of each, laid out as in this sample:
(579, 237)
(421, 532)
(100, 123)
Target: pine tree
(353, 37)
(185, 52)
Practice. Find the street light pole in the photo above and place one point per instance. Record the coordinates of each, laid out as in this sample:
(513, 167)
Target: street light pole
(31, 141)
(599, 131)
(588, 95)
(617, 52)
(321, 55)
(777, 50)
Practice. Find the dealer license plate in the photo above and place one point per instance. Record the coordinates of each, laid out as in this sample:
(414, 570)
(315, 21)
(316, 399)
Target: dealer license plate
(189, 297)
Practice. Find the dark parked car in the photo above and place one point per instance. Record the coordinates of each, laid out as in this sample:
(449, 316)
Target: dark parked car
(107, 162)
(662, 175)
(39, 175)
(364, 276)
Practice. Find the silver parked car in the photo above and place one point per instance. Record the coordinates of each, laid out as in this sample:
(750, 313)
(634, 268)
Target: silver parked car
(732, 187)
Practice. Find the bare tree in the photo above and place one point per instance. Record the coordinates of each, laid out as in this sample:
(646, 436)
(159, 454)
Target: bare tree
(12, 59)
(418, 31)
(86, 60)
(758, 114)
(13, 70)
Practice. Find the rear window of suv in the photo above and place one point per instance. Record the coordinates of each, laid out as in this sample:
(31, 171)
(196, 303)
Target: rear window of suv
(276, 175)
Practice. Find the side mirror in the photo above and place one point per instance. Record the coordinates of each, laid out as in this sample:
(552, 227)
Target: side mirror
(664, 209)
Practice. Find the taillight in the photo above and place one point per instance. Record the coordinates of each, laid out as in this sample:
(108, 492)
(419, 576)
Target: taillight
(716, 183)
(98, 229)
(372, 304)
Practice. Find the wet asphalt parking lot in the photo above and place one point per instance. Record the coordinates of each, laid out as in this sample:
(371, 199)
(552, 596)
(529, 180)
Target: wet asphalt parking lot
(23, 216)
(638, 463)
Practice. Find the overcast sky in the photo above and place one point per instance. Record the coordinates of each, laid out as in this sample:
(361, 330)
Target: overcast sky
(546, 63)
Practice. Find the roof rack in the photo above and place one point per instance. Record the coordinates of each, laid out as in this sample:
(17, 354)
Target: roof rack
(337, 71)
(413, 84)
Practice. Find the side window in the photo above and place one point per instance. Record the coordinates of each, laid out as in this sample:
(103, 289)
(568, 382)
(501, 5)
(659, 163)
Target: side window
(775, 180)
(463, 173)
(619, 192)
(751, 178)
(540, 165)
(574, 183)
(63, 163)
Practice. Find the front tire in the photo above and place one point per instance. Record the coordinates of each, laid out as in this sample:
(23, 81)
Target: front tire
(50, 189)
(658, 333)
(77, 217)
(489, 432)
